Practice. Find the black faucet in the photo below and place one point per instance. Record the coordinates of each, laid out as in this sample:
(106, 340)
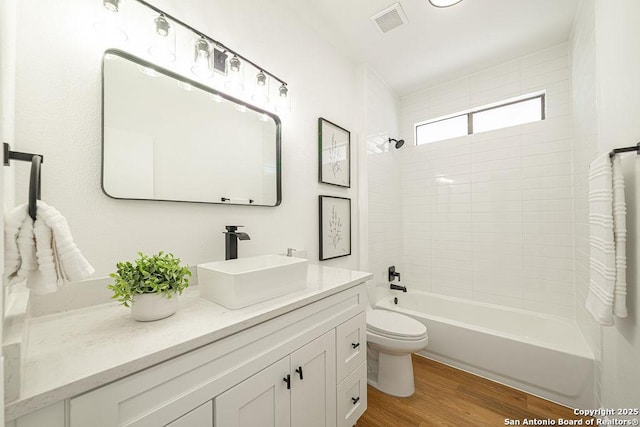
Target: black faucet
(397, 287)
(231, 241)
(393, 274)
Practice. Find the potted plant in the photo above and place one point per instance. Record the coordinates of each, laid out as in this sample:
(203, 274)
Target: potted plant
(150, 286)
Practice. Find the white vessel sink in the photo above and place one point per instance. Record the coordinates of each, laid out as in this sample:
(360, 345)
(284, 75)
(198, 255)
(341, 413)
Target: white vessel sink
(240, 282)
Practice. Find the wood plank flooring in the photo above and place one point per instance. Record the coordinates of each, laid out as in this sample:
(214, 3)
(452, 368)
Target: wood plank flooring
(446, 396)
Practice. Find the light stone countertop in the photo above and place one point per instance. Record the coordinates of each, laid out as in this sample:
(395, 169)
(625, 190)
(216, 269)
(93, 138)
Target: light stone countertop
(70, 353)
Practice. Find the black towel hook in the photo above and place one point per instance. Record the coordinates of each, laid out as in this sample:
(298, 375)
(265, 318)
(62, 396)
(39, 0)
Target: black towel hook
(34, 180)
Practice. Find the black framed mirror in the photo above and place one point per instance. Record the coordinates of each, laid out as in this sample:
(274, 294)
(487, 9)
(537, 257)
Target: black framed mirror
(168, 138)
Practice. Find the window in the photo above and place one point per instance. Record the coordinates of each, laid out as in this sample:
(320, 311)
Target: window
(483, 119)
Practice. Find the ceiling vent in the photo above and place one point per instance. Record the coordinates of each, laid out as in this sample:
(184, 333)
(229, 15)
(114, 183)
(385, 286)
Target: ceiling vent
(390, 18)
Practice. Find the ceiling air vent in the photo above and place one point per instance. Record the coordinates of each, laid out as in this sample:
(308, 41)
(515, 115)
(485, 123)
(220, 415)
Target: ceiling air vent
(390, 18)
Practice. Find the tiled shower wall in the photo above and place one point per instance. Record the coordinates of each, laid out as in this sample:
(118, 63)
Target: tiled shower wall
(584, 150)
(489, 217)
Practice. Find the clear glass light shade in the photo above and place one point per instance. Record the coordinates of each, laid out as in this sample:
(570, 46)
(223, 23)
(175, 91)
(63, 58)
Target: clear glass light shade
(261, 89)
(163, 40)
(283, 103)
(444, 3)
(109, 21)
(202, 59)
(235, 78)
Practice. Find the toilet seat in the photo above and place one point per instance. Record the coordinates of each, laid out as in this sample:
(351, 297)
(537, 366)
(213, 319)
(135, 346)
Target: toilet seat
(395, 325)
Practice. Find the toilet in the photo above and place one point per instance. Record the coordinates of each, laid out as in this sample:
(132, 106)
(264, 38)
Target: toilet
(391, 338)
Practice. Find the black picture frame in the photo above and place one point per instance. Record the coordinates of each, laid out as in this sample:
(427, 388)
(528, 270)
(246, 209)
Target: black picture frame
(334, 154)
(334, 227)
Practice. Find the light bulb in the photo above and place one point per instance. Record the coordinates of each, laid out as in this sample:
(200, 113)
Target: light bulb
(261, 90)
(283, 91)
(234, 64)
(163, 44)
(444, 3)
(235, 79)
(162, 26)
(202, 57)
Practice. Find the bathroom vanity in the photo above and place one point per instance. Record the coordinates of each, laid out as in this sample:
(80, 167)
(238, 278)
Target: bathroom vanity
(295, 360)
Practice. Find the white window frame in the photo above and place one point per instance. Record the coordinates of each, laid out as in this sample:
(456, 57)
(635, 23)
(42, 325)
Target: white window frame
(470, 113)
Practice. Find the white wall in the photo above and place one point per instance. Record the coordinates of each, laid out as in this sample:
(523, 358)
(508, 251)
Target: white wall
(606, 75)
(488, 216)
(58, 114)
(618, 85)
(383, 172)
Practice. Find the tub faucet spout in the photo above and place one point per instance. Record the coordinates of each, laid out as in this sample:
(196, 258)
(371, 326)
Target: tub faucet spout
(397, 287)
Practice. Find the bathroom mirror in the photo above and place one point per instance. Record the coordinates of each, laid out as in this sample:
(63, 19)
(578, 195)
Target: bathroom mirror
(165, 137)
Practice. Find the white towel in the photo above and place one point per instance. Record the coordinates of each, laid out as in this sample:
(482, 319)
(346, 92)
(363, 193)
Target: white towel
(607, 215)
(42, 251)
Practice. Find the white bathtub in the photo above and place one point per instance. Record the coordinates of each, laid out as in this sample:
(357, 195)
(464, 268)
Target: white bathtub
(540, 354)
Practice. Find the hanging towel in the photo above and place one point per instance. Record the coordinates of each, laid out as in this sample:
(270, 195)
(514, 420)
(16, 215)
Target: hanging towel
(620, 236)
(41, 251)
(607, 263)
(12, 260)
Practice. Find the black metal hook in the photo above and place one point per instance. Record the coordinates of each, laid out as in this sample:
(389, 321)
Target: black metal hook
(34, 179)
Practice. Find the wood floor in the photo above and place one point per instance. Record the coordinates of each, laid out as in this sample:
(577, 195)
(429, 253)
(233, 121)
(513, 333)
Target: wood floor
(446, 396)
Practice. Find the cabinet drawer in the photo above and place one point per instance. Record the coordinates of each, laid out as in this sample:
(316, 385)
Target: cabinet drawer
(351, 345)
(352, 396)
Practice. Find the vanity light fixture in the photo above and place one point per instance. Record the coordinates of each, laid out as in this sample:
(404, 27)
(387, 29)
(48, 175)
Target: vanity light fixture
(444, 3)
(109, 21)
(202, 58)
(163, 44)
(209, 55)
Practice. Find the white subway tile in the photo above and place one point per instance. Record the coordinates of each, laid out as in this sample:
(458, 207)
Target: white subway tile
(546, 205)
(492, 206)
(452, 289)
(496, 196)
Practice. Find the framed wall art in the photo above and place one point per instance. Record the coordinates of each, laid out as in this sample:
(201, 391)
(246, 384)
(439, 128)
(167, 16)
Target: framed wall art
(334, 154)
(335, 227)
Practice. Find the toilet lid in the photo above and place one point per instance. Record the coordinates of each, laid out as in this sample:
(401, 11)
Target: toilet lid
(395, 324)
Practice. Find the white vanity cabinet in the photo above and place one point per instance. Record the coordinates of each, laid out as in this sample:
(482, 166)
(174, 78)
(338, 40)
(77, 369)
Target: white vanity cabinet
(299, 390)
(240, 380)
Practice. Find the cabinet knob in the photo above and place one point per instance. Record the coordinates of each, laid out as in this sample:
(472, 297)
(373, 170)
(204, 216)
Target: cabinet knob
(355, 344)
(299, 371)
(355, 399)
(287, 380)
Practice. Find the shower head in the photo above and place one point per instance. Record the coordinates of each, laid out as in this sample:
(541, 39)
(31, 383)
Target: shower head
(399, 143)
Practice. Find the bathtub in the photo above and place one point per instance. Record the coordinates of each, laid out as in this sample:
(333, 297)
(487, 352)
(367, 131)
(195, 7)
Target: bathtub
(541, 354)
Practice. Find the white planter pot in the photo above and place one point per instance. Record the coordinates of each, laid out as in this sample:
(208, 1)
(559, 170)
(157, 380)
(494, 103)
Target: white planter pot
(148, 307)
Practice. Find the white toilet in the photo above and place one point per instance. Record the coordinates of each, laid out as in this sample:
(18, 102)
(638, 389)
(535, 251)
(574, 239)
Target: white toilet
(391, 338)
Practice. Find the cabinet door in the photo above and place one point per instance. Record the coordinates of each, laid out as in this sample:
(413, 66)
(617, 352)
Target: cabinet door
(313, 384)
(202, 416)
(261, 400)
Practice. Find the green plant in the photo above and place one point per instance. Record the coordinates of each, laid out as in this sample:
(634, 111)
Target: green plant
(160, 274)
